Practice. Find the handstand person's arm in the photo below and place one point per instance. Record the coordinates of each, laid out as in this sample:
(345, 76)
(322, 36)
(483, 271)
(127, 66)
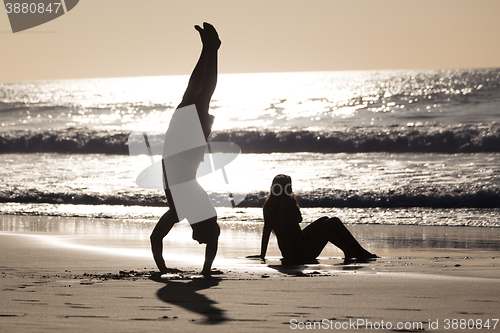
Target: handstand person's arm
(209, 231)
(210, 253)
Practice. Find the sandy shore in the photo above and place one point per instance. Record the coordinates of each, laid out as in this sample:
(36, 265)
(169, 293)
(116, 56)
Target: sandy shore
(64, 275)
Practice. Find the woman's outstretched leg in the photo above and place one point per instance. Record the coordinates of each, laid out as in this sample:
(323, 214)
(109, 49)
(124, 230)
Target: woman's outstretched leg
(343, 238)
(325, 230)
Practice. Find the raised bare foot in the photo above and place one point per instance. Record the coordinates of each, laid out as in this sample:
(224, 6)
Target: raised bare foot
(209, 36)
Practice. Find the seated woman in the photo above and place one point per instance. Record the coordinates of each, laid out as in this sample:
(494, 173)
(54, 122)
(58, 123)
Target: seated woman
(282, 216)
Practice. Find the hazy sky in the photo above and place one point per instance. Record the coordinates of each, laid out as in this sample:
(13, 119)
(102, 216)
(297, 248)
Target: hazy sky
(115, 38)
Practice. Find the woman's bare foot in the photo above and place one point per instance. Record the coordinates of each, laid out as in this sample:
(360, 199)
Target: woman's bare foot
(366, 255)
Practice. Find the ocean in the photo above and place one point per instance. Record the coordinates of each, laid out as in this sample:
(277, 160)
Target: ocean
(372, 147)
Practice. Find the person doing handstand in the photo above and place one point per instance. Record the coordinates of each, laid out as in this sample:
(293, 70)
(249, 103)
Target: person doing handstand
(184, 148)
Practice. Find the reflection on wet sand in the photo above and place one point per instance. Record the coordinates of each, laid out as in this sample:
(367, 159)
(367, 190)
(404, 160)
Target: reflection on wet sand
(462, 251)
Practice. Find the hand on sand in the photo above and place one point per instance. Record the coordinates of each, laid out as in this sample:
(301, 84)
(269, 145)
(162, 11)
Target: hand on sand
(157, 276)
(208, 274)
(209, 36)
(171, 271)
(256, 256)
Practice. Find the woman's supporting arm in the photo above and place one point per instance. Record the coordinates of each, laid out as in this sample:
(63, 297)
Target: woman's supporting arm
(265, 240)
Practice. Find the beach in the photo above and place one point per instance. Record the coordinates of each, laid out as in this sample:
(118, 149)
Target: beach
(408, 160)
(78, 274)
(306, 114)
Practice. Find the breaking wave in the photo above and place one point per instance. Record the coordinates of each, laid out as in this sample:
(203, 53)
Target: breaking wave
(433, 197)
(397, 139)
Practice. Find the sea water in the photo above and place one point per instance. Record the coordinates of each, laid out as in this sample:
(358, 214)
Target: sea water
(381, 147)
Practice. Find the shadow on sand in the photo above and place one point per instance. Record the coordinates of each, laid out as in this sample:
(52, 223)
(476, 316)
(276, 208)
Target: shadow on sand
(184, 293)
(315, 267)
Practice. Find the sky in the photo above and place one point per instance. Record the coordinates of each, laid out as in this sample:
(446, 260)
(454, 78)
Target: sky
(122, 38)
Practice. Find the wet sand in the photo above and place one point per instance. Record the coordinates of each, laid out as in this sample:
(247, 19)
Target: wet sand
(73, 274)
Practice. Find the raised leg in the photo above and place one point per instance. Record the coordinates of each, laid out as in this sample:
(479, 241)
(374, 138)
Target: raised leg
(203, 79)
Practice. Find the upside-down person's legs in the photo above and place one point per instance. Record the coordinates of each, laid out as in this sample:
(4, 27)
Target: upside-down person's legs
(161, 229)
(203, 79)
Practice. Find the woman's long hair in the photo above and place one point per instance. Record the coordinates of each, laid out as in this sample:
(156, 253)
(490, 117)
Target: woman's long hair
(281, 188)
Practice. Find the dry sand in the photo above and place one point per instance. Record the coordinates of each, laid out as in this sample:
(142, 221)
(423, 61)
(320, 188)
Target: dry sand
(68, 279)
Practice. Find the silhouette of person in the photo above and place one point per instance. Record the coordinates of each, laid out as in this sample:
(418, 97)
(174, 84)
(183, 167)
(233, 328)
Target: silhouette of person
(186, 295)
(282, 216)
(184, 147)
